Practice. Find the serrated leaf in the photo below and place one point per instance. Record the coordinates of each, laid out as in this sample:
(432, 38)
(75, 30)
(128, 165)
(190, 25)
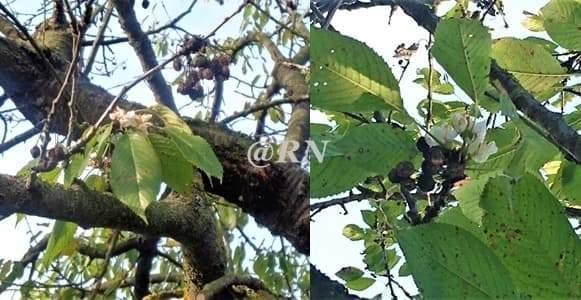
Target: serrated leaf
(349, 273)
(562, 20)
(176, 171)
(347, 75)
(197, 151)
(464, 266)
(135, 172)
(363, 152)
(532, 64)
(170, 119)
(528, 230)
(62, 235)
(462, 47)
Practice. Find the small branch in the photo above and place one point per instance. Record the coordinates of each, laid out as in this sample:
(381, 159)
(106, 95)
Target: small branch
(214, 288)
(169, 25)
(260, 107)
(99, 278)
(98, 39)
(21, 137)
(144, 51)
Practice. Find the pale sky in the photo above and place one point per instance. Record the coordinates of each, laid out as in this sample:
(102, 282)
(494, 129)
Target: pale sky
(330, 250)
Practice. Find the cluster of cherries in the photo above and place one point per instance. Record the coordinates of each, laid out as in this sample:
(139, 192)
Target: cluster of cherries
(201, 68)
(440, 165)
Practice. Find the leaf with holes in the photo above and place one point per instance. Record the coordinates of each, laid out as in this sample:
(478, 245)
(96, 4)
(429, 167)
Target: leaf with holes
(347, 75)
(532, 64)
(462, 47)
(464, 267)
(526, 227)
(562, 20)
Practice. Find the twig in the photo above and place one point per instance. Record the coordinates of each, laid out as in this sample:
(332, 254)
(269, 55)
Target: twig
(276, 21)
(259, 107)
(150, 32)
(488, 9)
(248, 240)
(114, 238)
(285, 266)
(430, 72)
(169, 258)
(98, 39)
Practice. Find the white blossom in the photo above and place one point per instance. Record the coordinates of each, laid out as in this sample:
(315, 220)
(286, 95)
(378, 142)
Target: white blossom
(459, 122)
(444, 134)
(129, 119)
(484, 151)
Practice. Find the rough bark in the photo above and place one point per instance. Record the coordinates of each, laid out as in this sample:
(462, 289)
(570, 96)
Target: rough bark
(324, 288)
(263, 193)
(190, 221)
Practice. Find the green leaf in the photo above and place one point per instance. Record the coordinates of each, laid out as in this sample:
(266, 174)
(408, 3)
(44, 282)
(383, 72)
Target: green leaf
(464, 267)
(436, 84)
(349, 273)
(366, 151)
(135, 172)
(74, 169)
(227, 216)
(176, 171)
(533, 22)
(369, 217)
(404, 270)
(454, 216)
(197, 151)
(347, 75)
(360, 284)
(353, 232)
(462, 47)
(96, 182)
(170, 119)
(528, 230)
(63, 233)
(562, 20)
(532, 64)
(567, 183)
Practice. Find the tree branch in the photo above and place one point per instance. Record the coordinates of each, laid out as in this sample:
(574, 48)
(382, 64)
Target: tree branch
(142, 46)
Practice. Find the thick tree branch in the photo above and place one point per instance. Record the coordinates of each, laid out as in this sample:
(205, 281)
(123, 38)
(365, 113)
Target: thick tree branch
(142, 46)
(276, 196)
(189, 221)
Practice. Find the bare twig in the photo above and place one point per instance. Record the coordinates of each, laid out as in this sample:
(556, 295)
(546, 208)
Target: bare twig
(260, 107)
(98, 39)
